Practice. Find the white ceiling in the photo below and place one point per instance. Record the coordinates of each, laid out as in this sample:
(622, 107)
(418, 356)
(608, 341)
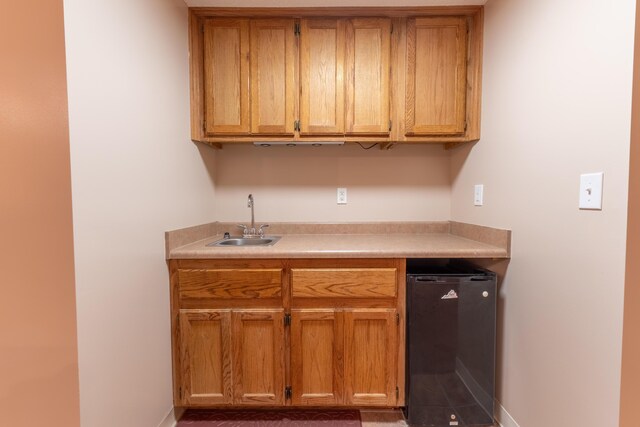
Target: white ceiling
(329, 3)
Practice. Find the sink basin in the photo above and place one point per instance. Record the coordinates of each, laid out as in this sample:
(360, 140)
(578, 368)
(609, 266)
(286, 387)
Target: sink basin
(241, 241)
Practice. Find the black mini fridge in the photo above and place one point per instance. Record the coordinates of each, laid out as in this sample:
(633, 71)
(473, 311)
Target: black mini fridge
(451, 327)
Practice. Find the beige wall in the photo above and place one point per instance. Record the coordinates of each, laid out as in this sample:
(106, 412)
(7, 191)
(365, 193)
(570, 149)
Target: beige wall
(556, 103)
(39, 368)
(406, 183)
(630, 389)
(135, 174)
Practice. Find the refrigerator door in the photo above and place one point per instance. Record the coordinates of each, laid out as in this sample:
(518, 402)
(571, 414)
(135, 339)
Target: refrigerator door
(451, 350)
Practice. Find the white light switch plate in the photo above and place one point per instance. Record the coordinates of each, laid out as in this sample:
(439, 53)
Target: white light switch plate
(591, 190)
(478, 195)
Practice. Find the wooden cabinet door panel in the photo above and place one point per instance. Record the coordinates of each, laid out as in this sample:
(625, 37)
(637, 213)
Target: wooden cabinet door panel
(368, 49)
(272, 76)
(343, 282)
(226, 76)
(205, 357)
(229, 283)
(436, 75)
(370, 357)
(322, 43)
(316, 357)
(258, 357)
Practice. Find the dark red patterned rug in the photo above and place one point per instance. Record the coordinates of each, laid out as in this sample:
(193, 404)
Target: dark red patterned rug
(253, 418)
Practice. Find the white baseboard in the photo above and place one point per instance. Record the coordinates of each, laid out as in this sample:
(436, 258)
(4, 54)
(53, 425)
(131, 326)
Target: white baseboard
(503, 417)
(172, 418)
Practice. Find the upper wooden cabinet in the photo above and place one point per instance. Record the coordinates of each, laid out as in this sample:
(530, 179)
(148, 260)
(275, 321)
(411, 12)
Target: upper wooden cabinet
(236, 104)
(368, 75)
(322, 44)
(436, 76)
(405, 75)
(345, 76)
(226, 77)
(272, 76)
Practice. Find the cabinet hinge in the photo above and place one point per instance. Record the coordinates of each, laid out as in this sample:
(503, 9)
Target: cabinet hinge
(287, 392)
(296, 125)
(390, 123)
(296, 29)
(180, 392)
(397, 392)
(287, 319)
(465, 126)
(397, 318)
(204, 126)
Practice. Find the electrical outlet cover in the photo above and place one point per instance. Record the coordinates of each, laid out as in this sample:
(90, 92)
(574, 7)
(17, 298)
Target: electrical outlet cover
(342, 196)
(478, 195)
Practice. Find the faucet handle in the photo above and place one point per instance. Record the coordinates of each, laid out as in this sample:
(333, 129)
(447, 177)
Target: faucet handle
(260, 229)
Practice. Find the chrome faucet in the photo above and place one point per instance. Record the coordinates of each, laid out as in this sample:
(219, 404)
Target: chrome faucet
(250, 205)
(251, 232)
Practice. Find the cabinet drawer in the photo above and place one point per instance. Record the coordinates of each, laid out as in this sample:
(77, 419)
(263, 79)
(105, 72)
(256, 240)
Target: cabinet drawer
(230, 283)
(344, 282)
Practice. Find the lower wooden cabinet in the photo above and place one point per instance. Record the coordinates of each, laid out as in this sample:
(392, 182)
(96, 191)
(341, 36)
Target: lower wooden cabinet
(370, 357)
(317, 357)
(205, 357)
(232, 357)
(344, 357)
(330, 334)
(258, 357)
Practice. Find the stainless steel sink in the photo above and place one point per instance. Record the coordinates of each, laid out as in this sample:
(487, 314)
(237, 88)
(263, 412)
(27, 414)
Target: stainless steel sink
(242, 241)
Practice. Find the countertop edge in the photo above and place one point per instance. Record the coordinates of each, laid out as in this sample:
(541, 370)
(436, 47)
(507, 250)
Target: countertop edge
(355, 255)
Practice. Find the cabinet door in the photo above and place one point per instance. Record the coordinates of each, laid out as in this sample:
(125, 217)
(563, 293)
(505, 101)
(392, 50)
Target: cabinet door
(272, 76)
(226, 76)
(258, 357)
(317, 341)
(322, 43)
(368, 48)
(436, 75)
(205, 357)
(370, 357)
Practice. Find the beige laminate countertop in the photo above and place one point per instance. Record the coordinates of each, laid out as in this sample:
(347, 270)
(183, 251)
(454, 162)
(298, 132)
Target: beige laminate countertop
(373, 245)
(430, 245)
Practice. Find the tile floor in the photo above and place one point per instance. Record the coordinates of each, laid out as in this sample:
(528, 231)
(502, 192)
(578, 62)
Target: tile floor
(382, 418)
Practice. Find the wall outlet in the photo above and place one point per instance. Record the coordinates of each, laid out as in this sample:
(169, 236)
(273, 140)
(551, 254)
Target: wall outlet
(478, 195)
(342, 196)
